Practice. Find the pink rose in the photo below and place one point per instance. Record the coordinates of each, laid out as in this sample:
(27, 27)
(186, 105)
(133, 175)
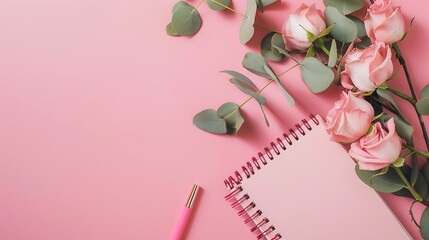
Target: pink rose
(378, 149)
(383, 23)
(349, 119)
(368, 68)
(304, 18)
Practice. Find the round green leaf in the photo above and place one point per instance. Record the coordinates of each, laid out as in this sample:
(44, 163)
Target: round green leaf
(422, 106)
(345, 6)
(230, 112)
(247, 30)
(209, 121)
(181, 4)
(344, 30)
(317, 76)
(186, 21)
(425, 91)
(267, 49)
(254, 63)
(170, 30)
(388, 183)
(215, 6)
(424, 224)
(361, 32)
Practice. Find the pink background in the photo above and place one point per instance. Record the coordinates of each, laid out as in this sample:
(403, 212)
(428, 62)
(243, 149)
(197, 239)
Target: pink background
(96, 107)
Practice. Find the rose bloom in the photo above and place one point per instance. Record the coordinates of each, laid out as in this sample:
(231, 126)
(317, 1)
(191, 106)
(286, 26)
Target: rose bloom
(368, 68)
(383, 23)
(378, 149)
(304, 18)
(349, 119)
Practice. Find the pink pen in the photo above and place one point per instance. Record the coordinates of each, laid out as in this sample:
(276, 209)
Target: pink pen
(181, 225)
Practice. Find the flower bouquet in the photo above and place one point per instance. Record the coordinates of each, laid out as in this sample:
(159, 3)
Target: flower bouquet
(336, 46)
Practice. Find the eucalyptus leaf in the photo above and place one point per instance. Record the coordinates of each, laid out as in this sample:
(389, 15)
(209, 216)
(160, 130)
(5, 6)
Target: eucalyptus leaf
(422, 106)
(270, 72)
(388, 183)
(247, 30)
(361, 32)
(266, 2)
(425, 91)
(344, 30)
(208, 120)
(245, 89)
(267, 49)
(333, 54)
(345, 6)
(170, 30)
(186, 20)
(317, 76)
(230, 112)
(424, 224)
(254, 63)
(404, 129)
(181, 4)
(265, 116)
(386, 95)
(241, 77)
(215, 6)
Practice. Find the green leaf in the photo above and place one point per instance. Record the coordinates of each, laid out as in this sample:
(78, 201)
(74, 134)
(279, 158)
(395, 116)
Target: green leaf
(388, 183)
(208, 120)
(327, 31)
(265, 116)
(265, 2)
(386, 95)
(345, 6)
(241, 77)
(361, 32)
(260, 5)
(344, 30)
(420, 186)
(422, 106)
(254, 62)
(399, 162)
(273, 76)
(215, 6)
(247, 30)
(230, 112)
(170, 30)
(278, 41)
(186, 19)
(425, 91)
(404, 129)
(383, 171)
(333, 54)
(267, 49)
(424, 224)
(310, 52)
(245, 89)
(181, 4)
(317, 76)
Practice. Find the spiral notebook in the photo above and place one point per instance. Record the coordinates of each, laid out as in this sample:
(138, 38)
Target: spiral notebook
(304, 187)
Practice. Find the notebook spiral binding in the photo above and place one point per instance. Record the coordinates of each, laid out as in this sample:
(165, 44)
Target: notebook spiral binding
(250, 169)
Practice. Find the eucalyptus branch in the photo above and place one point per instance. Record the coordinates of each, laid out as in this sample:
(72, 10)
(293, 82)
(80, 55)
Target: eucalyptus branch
(198, 5)
(403, 63)
(244, 16)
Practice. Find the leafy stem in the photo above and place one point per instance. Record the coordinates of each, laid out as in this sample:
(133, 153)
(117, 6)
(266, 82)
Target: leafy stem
(244, 16)
(403, 63)
(402, 95)
(408, 185)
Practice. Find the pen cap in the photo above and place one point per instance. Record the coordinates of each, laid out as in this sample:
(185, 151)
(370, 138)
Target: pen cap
(192, 196)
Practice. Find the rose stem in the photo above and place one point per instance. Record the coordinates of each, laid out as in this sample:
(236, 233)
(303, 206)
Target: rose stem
(415, 194)
(244, 16)
(401, 59)
(415, 150)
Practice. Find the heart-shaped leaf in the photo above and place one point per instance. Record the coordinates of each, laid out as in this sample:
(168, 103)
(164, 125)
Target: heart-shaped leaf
(267, 49)
(209, 121)
(186, 20)
(317, 76)
(333, 54)
(345, 6)
(273, 76)
(422, 106)
(181, 4)
(344, 30)
(388, 183)
(254, 63)
(218, 4)
(230, 112)
(247, 30)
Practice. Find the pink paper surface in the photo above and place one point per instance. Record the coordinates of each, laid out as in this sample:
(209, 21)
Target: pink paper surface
(96, 107)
